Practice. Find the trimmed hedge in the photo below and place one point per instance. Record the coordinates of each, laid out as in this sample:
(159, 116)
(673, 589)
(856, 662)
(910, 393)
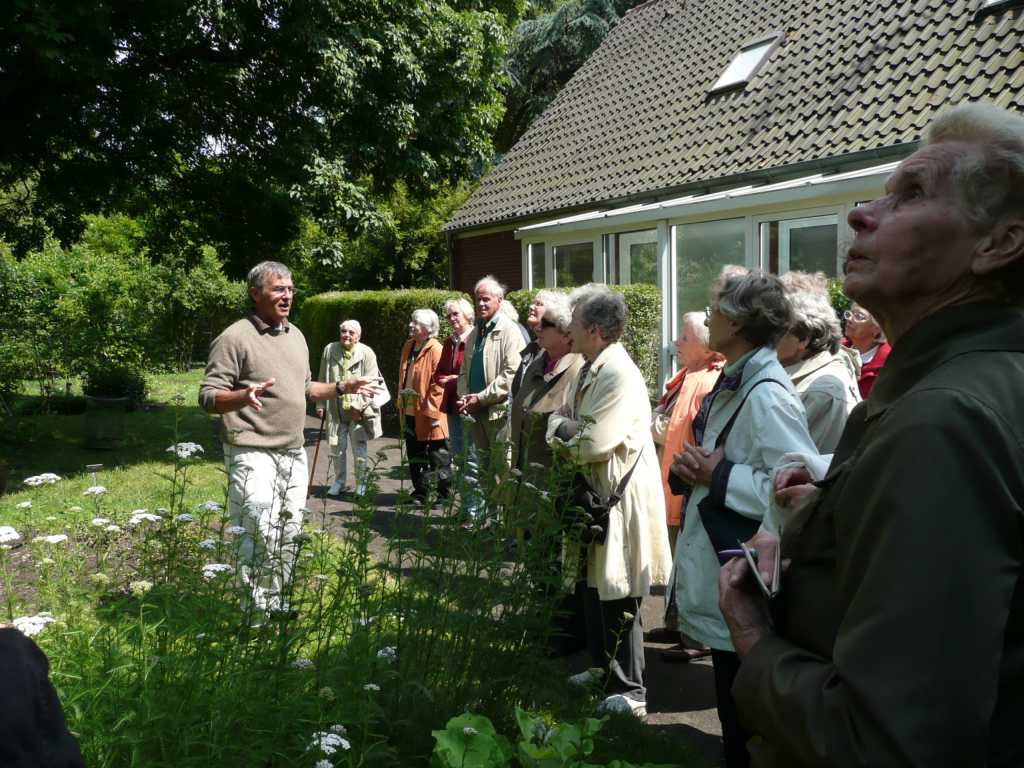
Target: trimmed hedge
(642, 338)
(384, 316)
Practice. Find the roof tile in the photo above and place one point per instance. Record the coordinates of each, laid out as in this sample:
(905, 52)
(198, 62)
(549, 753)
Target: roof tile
(637, 119)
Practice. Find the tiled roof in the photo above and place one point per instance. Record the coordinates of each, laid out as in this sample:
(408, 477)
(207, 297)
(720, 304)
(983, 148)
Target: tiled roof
(850, 76)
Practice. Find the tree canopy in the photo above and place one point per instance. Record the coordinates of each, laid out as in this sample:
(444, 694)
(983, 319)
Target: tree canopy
(235, 120)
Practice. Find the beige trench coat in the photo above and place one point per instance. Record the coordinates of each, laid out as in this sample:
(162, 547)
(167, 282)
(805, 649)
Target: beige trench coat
(502, 348)
(613, 397)
(363, 363)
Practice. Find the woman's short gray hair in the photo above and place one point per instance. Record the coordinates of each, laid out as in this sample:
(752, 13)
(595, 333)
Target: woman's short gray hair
(602, 308)
(353, 324)
(428, 319)
(757, 301)
(815, 321)
(990, 180)
(547, 296)
(464, 308)
(557, 310)
(264, 268)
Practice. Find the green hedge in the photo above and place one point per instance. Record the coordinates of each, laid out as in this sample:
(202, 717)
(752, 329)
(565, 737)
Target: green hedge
(643, 328)
(384, 316)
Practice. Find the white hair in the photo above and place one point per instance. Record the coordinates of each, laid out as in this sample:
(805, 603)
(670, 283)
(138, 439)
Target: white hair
(352, 325)
(695, 322)
(556, 309)
(463, 306)
(489, 281)
(601, 307)
(990, 181)
(428, 319)
(509, 311)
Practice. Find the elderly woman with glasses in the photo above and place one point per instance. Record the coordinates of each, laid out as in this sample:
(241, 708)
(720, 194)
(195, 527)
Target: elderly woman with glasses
(746, 423)
(605, 427)
(823, 372)
(420, 396)
(865, 335)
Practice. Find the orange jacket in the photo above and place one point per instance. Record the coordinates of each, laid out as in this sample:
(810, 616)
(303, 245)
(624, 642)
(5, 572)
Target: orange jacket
(695, 385)
(428, 407)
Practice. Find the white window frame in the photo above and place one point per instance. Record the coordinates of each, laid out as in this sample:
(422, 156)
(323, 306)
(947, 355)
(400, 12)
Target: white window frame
(622, 255)
(757, 258)
(550, 243)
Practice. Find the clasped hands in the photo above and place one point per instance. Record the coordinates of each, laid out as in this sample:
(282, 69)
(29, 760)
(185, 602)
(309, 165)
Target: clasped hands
(696, 464)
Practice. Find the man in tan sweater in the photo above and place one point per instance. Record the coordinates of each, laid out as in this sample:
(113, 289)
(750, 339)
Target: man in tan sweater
(258, 379)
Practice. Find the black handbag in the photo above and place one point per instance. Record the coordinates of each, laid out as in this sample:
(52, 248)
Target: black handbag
(725, 527)
(589, 511)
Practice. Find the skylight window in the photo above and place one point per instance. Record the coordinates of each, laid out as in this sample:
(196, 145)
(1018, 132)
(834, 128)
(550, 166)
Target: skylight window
(746, 63)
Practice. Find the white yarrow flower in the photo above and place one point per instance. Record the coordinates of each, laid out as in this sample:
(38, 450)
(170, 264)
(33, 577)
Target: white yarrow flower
(212, 570)
(211, 506)
(371, 687)
(470, 731)
(94, 490)
(324, 764)
(186, 450)
(141, 587)
(388, 653)
(30, 626)
(8, 535)
(185, 517)
(208, 544)
(235, 530)
(56, 538)
(302, 664)
(113, 528)
(99, 522)
(140, 516)
(328, 743)
(24, 505)
(47, 478)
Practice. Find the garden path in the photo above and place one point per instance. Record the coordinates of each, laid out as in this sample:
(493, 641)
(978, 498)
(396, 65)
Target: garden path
(680, 697)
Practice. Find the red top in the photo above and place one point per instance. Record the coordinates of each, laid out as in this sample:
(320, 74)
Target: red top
(869, 371)
(451, 361)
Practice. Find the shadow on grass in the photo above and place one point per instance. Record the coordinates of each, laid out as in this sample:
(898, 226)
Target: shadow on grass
(57, 443)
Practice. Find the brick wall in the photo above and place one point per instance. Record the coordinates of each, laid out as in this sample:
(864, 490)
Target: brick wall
(496, 253)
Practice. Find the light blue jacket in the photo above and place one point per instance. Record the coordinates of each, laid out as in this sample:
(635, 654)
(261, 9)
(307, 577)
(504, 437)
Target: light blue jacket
(772, 423)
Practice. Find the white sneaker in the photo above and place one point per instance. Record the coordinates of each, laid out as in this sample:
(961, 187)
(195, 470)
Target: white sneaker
(335, 489)
(617, 704)
(587, 677)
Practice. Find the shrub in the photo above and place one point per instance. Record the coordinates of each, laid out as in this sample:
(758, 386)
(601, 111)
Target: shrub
(384, 316)
(642, 338)
(116, 381)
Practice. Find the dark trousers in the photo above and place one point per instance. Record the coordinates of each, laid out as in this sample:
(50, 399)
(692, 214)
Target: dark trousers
(429, 461)
(734, 736)
(615, 637)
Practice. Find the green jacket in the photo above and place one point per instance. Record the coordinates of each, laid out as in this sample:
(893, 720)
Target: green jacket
(900, 623)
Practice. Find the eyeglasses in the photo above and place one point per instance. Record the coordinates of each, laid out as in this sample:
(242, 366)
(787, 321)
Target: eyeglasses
(860, 317)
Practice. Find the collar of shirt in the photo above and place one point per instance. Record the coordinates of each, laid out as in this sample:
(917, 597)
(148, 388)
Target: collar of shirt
(263, 327)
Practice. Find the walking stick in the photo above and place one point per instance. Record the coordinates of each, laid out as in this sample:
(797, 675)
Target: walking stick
(316, 452)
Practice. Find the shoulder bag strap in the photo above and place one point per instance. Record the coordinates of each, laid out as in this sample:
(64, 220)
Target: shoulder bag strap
(616, 497)
(732, 419)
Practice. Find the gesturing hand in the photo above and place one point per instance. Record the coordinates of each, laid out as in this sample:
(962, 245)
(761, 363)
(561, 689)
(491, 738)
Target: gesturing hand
(255, 392)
